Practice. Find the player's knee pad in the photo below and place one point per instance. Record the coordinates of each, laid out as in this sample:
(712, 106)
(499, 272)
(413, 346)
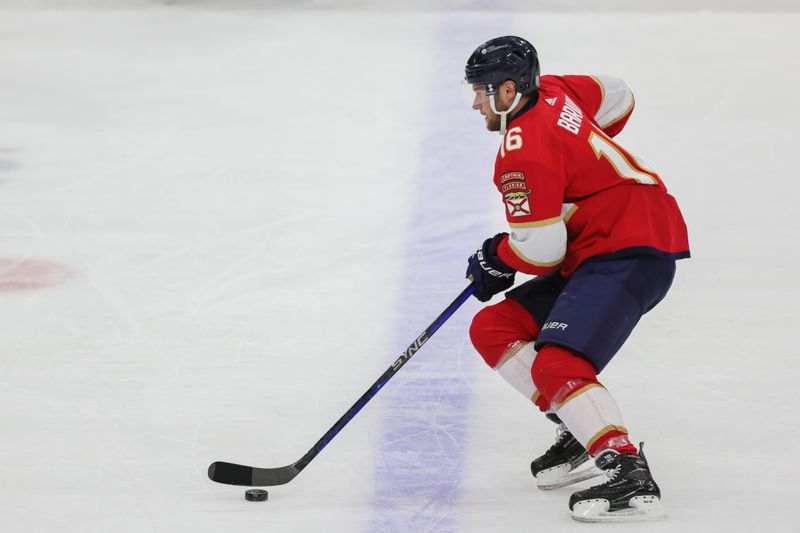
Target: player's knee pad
(558, 372)
(497, 327)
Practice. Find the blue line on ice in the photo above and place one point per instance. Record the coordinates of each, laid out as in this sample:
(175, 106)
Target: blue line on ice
(420, 454)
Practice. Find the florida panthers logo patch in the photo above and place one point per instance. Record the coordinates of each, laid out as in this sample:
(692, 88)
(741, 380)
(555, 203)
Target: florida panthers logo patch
(516, 194)
(518, 205)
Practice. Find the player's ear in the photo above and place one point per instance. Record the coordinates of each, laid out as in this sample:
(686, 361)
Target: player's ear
(509, 91)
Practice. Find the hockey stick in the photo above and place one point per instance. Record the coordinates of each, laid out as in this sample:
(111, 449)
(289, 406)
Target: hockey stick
(250, 476)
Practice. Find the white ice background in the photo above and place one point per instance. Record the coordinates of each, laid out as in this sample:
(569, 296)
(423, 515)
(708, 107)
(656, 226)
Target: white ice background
(238, 218)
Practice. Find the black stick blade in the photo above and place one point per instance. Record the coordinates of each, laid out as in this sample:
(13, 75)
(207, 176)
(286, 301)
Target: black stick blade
(249, 476)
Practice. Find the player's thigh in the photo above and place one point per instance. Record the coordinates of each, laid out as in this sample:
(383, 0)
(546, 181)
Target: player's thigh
(538, 295)
(601, 304)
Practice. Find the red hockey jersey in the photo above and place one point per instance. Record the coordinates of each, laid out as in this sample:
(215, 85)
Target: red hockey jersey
(570, 192)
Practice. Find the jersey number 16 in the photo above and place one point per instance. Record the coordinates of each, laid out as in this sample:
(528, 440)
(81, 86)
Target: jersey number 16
(615, 155)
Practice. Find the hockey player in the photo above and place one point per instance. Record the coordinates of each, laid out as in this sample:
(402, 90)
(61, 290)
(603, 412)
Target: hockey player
(599, 230)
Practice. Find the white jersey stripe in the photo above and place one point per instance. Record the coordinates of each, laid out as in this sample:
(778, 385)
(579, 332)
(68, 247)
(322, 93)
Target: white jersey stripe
(617, 100)
(542, 246)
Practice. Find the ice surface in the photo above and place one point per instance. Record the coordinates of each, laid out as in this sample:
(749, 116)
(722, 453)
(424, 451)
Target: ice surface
(218, 228)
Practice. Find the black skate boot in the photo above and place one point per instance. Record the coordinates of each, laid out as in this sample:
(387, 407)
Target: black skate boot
(557, 467)
(629, 495)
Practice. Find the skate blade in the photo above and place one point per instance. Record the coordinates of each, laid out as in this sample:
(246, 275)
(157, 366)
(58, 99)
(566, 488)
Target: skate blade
(560, 476)
(642, 509)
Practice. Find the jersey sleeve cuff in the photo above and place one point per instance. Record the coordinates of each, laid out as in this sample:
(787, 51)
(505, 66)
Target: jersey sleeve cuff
(512, 258)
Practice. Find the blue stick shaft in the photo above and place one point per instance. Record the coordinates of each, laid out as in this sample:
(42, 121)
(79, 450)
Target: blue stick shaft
(386, 376)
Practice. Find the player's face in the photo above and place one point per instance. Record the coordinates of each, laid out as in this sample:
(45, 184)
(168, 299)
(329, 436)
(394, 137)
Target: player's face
(481, 103)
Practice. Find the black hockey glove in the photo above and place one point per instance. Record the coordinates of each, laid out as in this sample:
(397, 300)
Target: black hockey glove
(489, 274)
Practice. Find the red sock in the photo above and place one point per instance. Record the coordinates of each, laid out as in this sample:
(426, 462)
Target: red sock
(498, 327)
(613, 440)
(559, 373)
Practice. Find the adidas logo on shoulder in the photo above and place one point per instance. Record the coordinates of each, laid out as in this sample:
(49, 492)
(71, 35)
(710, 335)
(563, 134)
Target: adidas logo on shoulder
(552, 101)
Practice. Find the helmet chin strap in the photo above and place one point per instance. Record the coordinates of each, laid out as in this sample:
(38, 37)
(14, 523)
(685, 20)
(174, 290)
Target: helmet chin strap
(503, 114)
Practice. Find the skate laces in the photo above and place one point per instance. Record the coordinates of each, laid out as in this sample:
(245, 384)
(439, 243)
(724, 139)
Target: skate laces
(612, 474)
(561, 433)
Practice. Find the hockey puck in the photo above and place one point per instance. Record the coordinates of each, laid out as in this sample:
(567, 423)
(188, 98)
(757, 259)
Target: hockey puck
(256, 495)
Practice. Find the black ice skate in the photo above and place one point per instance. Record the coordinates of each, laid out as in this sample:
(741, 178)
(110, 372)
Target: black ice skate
(629, 495)
(558, 467)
